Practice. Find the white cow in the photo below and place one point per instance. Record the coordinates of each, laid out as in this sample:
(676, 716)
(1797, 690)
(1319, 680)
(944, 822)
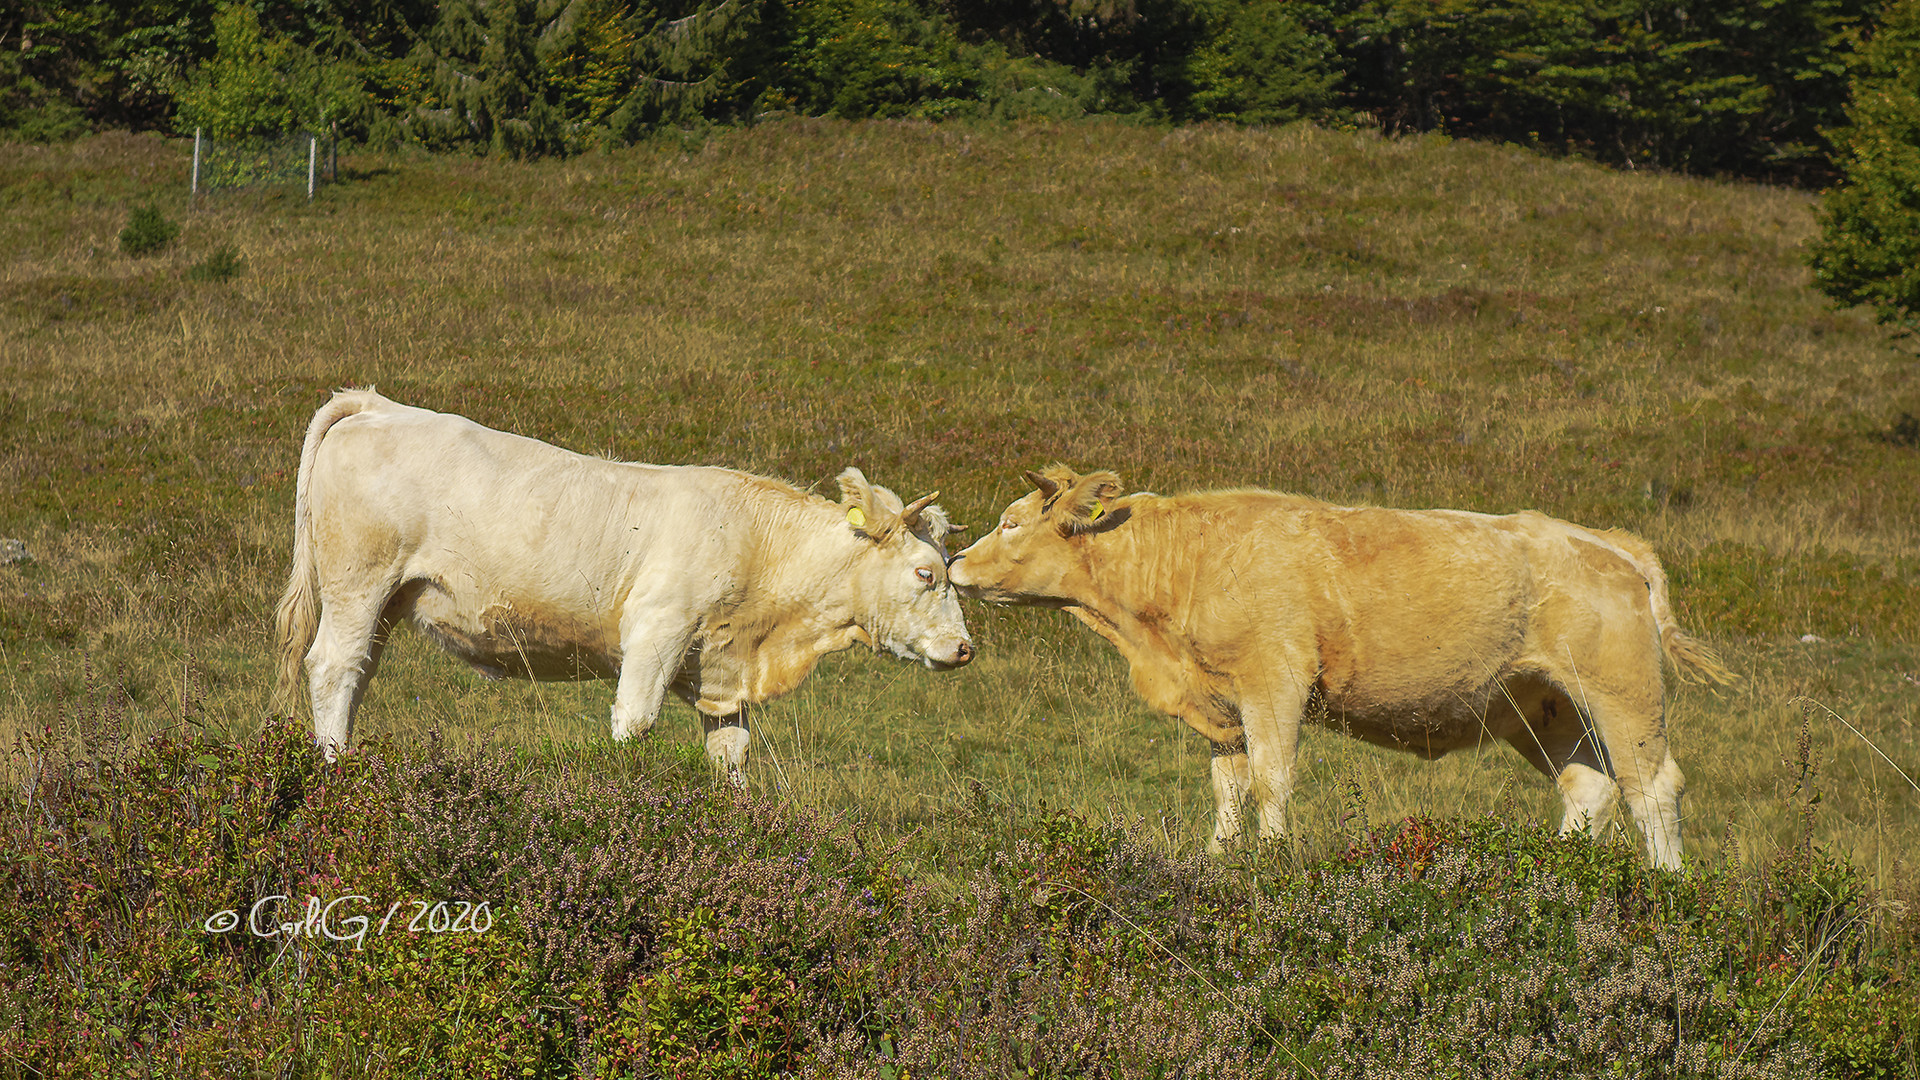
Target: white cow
(527, 560)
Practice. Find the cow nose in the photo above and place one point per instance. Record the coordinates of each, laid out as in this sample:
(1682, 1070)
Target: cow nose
(964, 653)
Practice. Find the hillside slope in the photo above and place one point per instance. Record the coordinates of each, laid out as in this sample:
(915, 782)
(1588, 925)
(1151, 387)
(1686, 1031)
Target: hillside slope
(1410, 322)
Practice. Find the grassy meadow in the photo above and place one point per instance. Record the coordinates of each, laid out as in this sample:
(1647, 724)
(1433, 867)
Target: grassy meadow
(1406, 322)
(1410, 322)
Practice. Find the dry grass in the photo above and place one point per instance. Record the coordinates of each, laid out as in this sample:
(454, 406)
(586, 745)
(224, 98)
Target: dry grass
(1411, 322)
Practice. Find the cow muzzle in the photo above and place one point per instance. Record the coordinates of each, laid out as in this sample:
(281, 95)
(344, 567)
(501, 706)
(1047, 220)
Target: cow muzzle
(960, 576)
(961, 656)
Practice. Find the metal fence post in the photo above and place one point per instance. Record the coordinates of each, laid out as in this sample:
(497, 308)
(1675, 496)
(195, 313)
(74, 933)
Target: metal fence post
(194, 198)
(313, 159)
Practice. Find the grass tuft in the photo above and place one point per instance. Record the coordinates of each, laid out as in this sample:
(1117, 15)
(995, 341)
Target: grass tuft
(224, 264)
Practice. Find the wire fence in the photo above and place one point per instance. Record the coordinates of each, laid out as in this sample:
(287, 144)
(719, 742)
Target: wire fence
(302, 160)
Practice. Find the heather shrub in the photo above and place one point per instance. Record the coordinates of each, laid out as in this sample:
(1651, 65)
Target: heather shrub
(451, 1005)
(1426, 948)
(523, 914)
(1506, 950)
(118, 851)
(689, 929)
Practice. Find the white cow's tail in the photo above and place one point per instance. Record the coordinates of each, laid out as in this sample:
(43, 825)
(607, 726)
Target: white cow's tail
(297, 617)
(1691, 658)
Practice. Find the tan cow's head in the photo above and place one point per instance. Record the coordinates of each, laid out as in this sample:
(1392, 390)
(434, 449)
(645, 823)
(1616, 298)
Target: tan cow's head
(1028, 557)
(907, 605)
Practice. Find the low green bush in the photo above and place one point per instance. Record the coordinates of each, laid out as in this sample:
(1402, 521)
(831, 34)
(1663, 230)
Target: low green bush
(147, 232)
(639, 920)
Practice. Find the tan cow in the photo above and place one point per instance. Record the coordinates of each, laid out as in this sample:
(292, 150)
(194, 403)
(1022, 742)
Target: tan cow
(527, 560)
(1243, 612)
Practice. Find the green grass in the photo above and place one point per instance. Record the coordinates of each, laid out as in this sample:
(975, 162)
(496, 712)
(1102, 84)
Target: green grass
(1411, 322)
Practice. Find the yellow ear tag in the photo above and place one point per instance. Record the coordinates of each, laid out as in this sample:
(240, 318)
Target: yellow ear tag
(855, 518)
(1098, 512)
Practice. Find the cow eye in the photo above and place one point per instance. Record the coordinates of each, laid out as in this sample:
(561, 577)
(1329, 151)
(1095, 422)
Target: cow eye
(1009, 525)
(924, 574)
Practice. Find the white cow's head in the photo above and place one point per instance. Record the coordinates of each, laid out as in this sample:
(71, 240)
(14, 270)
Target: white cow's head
(906, 604)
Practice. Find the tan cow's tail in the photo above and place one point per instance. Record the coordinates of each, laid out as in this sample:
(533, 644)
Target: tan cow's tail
(296, 619)
(1693, 661)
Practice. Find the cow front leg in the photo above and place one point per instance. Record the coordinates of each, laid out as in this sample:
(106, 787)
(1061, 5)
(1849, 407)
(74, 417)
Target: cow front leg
(1271, 719)
(1558, 742)
(648, 663)
(1231, 783)
(727, 741)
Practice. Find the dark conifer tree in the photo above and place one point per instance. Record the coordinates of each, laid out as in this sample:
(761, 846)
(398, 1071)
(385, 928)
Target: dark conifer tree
(1869, 249)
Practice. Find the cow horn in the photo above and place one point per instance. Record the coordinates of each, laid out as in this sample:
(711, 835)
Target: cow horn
(910, 517)
(1047, 487)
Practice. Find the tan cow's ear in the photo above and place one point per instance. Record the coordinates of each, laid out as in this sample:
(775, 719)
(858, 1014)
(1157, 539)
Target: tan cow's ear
(1084, 505)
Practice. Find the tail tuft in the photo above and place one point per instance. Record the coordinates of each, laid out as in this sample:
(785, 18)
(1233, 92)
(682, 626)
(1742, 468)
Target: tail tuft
(1692, 660)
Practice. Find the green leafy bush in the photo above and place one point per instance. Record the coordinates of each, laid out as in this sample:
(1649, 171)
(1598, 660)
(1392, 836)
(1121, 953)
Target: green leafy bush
(147, 232)
(30, 112)
(1745, 86)
(858, 58)
(261, 85)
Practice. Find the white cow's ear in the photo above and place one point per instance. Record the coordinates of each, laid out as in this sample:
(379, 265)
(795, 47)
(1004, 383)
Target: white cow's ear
(854, 489)
(870, 514)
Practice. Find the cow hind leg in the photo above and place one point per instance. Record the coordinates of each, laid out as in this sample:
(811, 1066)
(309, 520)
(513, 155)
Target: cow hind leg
(1632, 732)
(1232, 782)
(343, 658)
(1651, 784)
(1588, 795)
